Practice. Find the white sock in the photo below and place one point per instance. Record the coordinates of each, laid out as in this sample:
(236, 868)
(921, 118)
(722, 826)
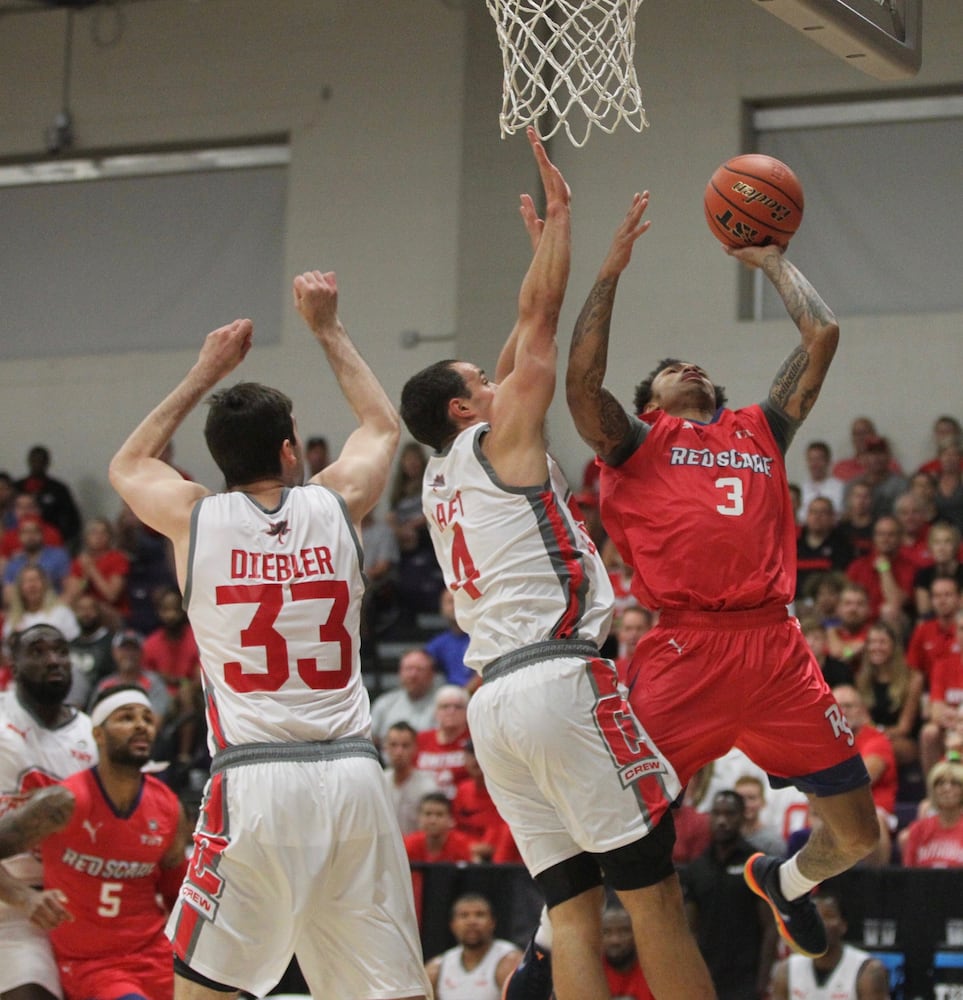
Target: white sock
(792, 882)
(543, 933)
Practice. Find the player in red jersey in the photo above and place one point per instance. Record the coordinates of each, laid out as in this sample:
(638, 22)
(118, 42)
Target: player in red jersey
(695, 497)
(619, 957)
(105, 866)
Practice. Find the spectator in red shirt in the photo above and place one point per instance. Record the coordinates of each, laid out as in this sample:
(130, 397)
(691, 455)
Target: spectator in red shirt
(100, 569)
(846, 640)
(934, 638)
(887, 574)
(693, 831)
(435, 840)
(25, 505)
(946, 703)
(55, 500)
(620, 960)
(908, 510)
(472, 808)
(170, 650)
(442, 750)
(877, 754)
(620, 575)
(946, 430)
(936, 841)
(634, 623)
(862, 433)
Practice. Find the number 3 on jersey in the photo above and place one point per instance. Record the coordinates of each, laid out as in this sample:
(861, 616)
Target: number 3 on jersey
(734, 505)
(269, 598)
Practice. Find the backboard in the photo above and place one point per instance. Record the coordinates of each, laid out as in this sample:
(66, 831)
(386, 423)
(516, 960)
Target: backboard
(880, 37)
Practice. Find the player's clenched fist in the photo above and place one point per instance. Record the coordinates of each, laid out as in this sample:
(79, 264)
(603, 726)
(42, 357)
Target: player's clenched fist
(316, 298)
(226, 347)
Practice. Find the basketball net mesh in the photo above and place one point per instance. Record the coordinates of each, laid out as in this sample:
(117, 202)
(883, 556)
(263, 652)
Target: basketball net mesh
(572, 58)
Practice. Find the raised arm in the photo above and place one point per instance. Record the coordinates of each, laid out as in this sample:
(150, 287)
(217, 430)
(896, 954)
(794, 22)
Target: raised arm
(599, 418)
(154, 491)
(360, 472)
(531, 354)
(534, 226)
(797, 383)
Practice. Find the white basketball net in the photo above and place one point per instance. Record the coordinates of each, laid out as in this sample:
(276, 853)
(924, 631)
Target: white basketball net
(570, 58)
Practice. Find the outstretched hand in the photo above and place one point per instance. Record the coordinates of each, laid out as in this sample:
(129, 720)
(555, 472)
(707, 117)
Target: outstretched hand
(753, 256)
(316, 298)
(225, 348)
(557, 192)
(630, 229)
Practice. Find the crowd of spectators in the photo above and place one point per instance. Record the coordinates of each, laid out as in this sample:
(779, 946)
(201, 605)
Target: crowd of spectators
(880, 573)
(110, 588)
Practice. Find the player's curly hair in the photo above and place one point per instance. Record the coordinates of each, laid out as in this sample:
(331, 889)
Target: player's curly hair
(643, 391)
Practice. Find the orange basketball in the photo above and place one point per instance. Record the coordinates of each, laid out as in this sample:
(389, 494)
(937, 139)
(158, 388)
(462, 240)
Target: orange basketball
(753, 200)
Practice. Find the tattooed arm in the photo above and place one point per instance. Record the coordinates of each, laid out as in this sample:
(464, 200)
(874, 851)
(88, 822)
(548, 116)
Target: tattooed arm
(798, 381)
(45, 812)
(599, 417)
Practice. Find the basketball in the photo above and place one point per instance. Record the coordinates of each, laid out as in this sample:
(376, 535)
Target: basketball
(753, 200)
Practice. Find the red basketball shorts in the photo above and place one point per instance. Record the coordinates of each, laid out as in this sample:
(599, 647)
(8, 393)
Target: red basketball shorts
(147, 972)
(702, 683)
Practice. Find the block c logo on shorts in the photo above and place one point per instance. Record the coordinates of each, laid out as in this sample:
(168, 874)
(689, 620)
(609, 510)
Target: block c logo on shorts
(203, 886)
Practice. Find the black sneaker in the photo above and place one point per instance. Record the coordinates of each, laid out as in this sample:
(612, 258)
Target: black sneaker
(798, 920)
(532, 977)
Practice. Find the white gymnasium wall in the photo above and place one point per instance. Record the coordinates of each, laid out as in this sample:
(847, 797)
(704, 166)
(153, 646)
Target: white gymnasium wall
(371, 96)
(399, 182)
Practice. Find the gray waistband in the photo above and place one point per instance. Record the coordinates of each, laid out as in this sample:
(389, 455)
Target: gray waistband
(551, 649)
(269, 753)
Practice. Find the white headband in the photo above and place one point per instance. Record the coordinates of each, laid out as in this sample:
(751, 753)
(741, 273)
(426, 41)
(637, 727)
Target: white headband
(112, 702)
